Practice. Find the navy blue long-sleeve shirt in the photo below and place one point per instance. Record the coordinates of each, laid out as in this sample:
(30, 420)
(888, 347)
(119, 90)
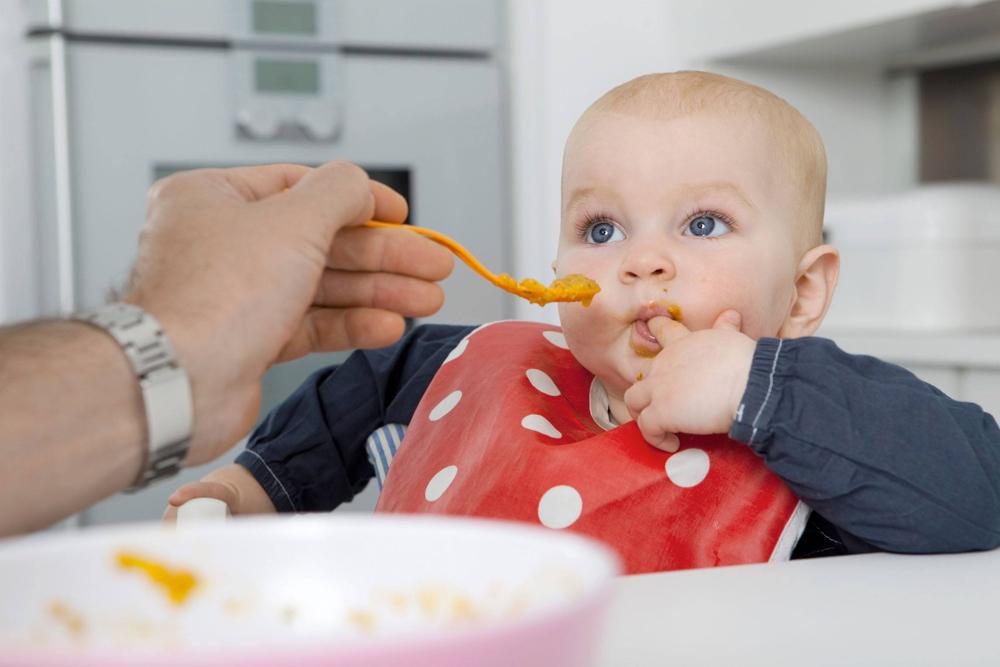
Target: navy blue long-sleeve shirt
(886, 461)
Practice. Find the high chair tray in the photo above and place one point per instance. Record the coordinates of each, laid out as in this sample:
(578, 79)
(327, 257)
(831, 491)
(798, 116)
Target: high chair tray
(872, 609)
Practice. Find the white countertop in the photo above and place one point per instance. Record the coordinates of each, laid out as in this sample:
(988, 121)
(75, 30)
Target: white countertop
(872, 609)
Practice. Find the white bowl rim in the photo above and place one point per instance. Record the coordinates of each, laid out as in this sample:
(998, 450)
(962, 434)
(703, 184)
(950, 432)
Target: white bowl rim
(596, 591)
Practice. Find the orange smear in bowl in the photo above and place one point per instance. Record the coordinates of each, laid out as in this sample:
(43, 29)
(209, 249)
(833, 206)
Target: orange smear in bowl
(176, 583)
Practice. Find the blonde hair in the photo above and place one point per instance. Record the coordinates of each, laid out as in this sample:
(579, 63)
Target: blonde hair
(674, 94)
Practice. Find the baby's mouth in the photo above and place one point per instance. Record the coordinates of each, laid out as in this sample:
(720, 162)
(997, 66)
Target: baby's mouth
(642, 341)
(642, 330)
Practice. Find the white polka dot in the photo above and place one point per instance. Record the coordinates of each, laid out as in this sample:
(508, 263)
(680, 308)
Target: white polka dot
(540, 424)
(556, 339)
(542, 382)
(439, 483)
(688, 467)
(446, 405)
(560, 507)
(456, 351)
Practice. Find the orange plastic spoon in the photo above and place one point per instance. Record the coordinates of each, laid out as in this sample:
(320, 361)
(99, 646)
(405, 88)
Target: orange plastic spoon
(574, 287)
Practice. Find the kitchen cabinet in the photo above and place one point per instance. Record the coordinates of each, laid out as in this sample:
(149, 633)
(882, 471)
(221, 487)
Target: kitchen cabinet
(891, 32)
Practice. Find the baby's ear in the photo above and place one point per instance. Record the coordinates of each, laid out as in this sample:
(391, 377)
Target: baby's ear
(816, 279)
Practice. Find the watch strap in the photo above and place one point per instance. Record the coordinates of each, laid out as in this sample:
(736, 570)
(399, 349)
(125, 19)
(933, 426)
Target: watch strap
(166, 390)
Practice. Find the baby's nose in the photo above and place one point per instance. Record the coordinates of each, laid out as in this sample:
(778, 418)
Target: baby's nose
(647, 264)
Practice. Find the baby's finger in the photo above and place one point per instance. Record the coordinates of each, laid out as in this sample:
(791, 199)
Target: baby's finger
(729, 319)
(666, 330)
(637, 397)
(651, 426)
(199, 490)
(669, 442)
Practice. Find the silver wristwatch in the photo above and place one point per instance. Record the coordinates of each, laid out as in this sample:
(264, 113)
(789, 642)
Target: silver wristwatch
(166, 391)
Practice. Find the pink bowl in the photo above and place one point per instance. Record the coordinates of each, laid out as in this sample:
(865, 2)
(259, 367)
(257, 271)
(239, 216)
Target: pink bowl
(317, 590)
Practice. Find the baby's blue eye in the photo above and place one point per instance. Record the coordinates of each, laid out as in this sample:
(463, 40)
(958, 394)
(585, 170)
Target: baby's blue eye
(707, 226)
(602, 232)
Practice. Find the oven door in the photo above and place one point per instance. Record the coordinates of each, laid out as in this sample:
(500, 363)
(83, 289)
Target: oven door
(429, 124)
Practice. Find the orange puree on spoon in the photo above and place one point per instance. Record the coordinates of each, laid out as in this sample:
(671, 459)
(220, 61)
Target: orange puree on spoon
(574, 287)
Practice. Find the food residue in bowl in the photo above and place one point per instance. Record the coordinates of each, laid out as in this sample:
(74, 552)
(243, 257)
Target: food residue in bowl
(175, 582)
(69, 619)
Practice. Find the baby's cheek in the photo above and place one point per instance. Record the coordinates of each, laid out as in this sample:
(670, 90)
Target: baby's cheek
(589, 331)
(756, 311)
(718, 296)
(764, 305)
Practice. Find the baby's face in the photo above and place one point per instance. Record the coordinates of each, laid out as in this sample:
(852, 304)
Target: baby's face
(691, 217)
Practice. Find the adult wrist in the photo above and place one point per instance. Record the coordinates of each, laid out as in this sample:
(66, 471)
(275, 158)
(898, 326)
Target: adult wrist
(163, 383)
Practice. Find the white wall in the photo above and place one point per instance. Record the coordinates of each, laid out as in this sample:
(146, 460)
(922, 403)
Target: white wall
(17, 246)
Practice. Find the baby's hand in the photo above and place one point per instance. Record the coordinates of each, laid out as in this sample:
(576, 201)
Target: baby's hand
(219, 490)
(695, 383)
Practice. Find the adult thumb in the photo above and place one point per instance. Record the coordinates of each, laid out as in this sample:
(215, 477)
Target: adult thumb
(728, 319)
(329, 197)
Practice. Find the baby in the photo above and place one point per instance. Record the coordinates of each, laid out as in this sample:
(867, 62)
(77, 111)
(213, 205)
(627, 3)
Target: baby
(696, 202)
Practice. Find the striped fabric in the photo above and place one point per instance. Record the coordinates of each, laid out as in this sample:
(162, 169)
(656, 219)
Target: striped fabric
(381, 446)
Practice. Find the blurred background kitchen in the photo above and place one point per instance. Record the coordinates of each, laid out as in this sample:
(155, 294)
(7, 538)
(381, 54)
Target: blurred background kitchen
(464, 105)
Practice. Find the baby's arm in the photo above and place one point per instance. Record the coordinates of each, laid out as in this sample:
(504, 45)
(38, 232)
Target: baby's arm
(884, 456)
(232, 484)
(309, 454)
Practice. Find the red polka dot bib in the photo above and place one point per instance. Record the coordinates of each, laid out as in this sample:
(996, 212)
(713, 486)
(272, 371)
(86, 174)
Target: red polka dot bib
(505, 431)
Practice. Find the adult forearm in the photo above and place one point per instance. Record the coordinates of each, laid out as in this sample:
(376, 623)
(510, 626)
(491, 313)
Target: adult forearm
(73, 423)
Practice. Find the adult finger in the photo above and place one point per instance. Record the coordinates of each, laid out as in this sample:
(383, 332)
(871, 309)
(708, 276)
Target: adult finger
(389, 251)
(322, 201)
(405, 295)
(263, 181)
(390, 206)
(338, 192)
(728, 319)
(328, 329)
(651, 425)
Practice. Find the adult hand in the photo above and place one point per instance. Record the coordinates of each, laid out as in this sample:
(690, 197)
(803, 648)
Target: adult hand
(251, 266)
(695, 383)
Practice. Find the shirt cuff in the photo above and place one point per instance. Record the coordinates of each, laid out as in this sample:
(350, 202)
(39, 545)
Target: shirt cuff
(762, 393)
(268, 478)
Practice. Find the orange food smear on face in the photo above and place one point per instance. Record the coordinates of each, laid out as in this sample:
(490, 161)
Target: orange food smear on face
(643, 352)
(675, 312)
(573, 287)
(177, 584)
